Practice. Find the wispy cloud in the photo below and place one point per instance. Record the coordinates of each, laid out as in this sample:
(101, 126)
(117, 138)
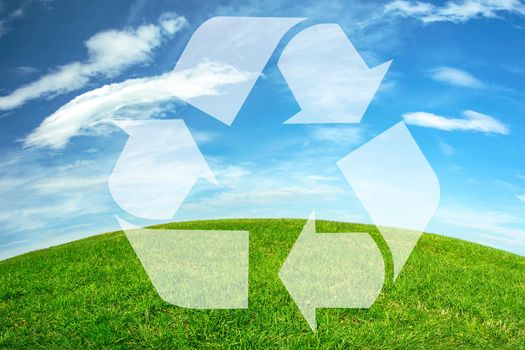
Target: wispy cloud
(454, 76)
(67, 199)
(495, 225)
(486, 220)
(446, 148)
(352, 135)
(41, 194)
(471, 121)
(109, 53)
(458, 11)
(15, 14)
(521, 177)
(92, 112)
(66, 183)
(363, 21)
(51, 203)
(273, 192)
(521, 197)
(25, 70)
(266, 196)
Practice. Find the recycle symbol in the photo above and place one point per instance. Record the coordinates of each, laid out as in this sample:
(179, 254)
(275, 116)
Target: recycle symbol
(160, 163)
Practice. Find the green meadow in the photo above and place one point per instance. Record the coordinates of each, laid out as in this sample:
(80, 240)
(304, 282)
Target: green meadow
(94, 294)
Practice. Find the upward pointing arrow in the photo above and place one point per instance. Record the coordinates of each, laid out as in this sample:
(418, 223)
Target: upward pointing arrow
(329, 79)
(336, 270)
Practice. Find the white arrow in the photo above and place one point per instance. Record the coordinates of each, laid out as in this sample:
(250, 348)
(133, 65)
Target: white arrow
(332, 270)
(157, 168)
(328, 77)
(194, 268)
(397, 187)
(240, 46)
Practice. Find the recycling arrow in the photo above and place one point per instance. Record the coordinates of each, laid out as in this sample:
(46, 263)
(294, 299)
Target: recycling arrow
(332, 270)
(157, 168)
(242, 44)
(332, 84)
(199, 269)
(329, 79)
(397, 187)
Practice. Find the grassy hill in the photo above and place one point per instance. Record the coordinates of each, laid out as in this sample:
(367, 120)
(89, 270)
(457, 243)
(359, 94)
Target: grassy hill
(94, 293)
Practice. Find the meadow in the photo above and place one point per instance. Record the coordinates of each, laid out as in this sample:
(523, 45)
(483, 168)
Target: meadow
(94, 294)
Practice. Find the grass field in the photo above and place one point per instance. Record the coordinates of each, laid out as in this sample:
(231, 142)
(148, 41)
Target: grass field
(94, 293)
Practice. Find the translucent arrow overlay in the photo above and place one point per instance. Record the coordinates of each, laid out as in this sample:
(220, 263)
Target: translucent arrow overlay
(242, 44)
(157, 168)
(332, 270)
(397, 187)
(194, 269)
(329, 79)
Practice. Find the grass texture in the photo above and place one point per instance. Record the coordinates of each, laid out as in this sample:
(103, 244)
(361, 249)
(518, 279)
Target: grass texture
(94, 294)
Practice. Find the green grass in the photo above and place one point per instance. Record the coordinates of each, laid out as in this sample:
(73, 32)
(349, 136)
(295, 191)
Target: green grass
(94, 293)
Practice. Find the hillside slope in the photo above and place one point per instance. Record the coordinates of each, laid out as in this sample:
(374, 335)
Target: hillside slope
(94, 293)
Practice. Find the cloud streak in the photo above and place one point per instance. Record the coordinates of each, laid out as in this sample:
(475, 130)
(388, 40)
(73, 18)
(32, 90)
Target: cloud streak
(446, 148)
(457, 77)
(14, 15)
(499, 224)
(471, 121)
(92, 112)
(109, 53)
(459, 11)
(339, 135)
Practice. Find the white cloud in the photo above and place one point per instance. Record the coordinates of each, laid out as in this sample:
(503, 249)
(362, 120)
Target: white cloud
(93, 111)
(471, 121)
(113, 50)
(496, 228)
(21, 241)
(17, 13)
(289, 186)
(49, 203)
(495, 222)
(446, 148)
(44, 195)
(24, 70)
(267, 192)
(352, 135)
(202, 137)
(454, 76)
(109, 53)
(458, 11)
(59, 184)
(521, 197)
(230, 175)
(269, 195)
(171, 22)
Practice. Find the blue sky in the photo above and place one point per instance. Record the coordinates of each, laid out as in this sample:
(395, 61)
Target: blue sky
(456, 79)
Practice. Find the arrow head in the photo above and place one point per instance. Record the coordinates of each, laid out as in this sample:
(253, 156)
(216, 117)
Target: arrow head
(242, 45)
(157, 168)
(397, 186)
(331, 271)
(289, 276)
(329, 79)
